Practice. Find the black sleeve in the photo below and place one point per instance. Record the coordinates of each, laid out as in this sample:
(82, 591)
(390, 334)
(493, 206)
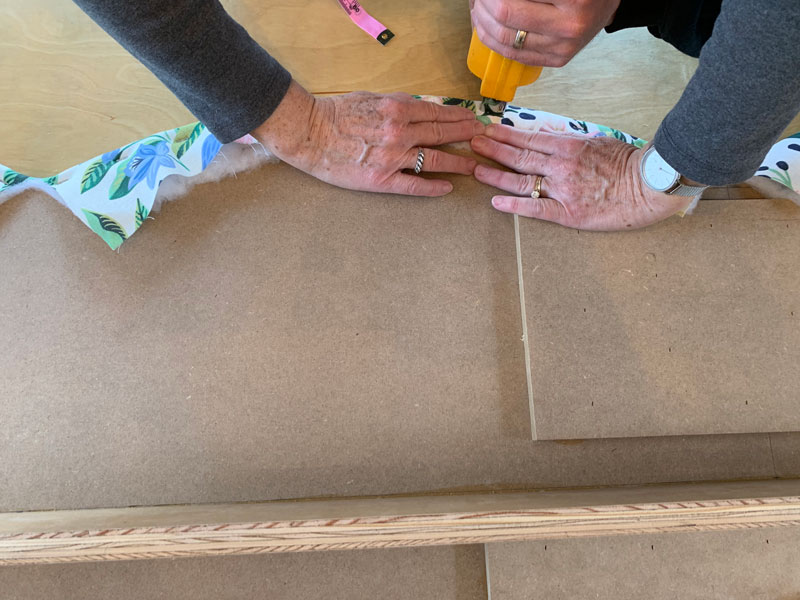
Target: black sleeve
(202, 55)
(685, 24)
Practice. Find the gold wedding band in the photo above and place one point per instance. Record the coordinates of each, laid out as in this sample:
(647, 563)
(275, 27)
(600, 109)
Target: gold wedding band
(537, 187)
(519, 40)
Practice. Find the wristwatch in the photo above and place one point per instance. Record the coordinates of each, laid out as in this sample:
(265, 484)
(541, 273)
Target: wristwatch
(660, 177)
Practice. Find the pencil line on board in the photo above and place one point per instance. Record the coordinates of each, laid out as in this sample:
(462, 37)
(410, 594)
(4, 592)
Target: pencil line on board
(525, 341)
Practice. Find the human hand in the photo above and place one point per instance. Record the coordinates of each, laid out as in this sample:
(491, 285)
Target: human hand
(557, 30)
(363, 141)
(589, 183)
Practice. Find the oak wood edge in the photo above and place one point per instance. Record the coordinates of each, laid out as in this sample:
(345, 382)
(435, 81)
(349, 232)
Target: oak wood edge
(220, 530)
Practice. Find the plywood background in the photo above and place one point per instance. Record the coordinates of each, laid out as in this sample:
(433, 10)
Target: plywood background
(70, 92)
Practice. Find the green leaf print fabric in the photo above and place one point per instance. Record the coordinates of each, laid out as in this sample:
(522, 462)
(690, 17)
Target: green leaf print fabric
(113, 194)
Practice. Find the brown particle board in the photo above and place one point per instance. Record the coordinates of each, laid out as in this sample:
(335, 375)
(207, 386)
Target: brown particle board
(268, 322)
(274, 337)
(716, 565)
(690, 326)
(785, 449)
(443, 573)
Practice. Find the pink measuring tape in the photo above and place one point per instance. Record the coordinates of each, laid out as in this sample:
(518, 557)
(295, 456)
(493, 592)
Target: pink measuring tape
(362, 18)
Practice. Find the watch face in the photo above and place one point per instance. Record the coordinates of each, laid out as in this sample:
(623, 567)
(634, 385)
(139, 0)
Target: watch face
(657, 173)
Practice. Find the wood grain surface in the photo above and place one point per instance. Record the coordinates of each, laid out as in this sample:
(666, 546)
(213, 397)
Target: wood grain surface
(178, 531)
(69, 91)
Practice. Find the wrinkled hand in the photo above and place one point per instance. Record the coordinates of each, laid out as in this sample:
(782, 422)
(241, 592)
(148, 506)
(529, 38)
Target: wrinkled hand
(557, 30)
(589, 183)
(363, 141)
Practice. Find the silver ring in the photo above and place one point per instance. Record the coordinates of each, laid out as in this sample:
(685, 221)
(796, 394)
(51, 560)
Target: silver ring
(420, 161)
(537, 187)
(519, 40)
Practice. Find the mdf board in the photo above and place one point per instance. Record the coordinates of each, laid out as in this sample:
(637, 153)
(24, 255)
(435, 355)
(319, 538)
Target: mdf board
(689, 326)
(271, 336)
(443, 573)
(714, 565)
(786, 450)
(274, 326)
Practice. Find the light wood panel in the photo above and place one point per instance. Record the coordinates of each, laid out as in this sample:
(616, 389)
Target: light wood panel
(628, 80)
(70, 92)
(182, 531)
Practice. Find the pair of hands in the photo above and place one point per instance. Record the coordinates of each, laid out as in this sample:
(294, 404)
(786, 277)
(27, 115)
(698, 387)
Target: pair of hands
(366, 141)
(591, 184)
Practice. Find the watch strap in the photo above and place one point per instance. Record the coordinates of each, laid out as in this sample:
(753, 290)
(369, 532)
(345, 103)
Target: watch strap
(687, 190)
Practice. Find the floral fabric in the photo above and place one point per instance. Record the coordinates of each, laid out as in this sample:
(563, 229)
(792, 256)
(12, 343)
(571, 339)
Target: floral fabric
(491, 111)
(782, 163)
(114, 193)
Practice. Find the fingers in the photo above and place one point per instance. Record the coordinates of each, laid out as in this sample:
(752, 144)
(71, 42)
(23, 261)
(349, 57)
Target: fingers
(545, 209)
(514, 183)
(437, 161)
(411, 185)
(533, 17)
(547, 143)
(421, 111)
(523, 160)
(438, 133)
(537, 50)
(524, 56)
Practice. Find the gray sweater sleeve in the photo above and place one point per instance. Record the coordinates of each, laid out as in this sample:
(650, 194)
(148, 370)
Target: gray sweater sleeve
(202, 55)
(744, 94)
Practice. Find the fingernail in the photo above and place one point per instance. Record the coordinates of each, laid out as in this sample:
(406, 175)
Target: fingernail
(478, 127)
(497, 202)
(488, 131)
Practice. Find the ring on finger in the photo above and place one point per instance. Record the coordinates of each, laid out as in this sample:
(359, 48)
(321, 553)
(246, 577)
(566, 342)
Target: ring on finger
(537, 187)
(519, 39)
(420, 161)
